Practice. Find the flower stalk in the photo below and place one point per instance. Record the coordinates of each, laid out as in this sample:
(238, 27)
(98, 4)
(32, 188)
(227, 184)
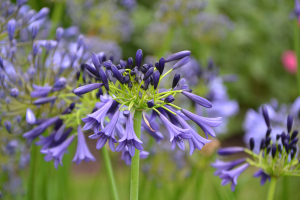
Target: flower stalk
(135, 163)
(297, 51)
(110, 174)
(272, 188)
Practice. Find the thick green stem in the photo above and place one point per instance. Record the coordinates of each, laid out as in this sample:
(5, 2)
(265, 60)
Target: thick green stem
(272, 188)
(32, 171)
(297, 51)
(135, 163)
(109, 170)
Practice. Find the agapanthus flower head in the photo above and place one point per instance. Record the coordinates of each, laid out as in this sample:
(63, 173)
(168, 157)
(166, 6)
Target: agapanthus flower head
(135, 89)
(275, 158)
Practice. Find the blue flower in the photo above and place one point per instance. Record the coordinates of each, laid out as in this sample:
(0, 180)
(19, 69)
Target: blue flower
(82, 151)
(222, 165)
(57, 153)
(107, 133)
(231, 176)
(129, 138)
(263, 175)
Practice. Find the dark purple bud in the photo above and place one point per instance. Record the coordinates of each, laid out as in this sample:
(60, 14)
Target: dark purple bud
(268, 132)
(107, 64)
(293, 153)
(14, 92)
(34, 32)
(149, 73)
(262, 144)
(169, 99)
(138, 58)
(44, 100)
(80, 42)
(279, 148)
(130, 85)
(132, 72)
(268, 149)
(294, 134)
(126, 79)
(11, 26)
(117, 74)
(123, 64)
(96, 61)
(146, 84)
(21, 2)
(7, 126)
(286, 145)
(161, 65)
(99, 93)
(268, 141)
(156, 77)
(178, 56)
(175, 80)
(145, 68)
(156, 64)
(230, 150)
(197, 99)
(126, 113)
(251, 144)
(278, 137)
(266, 115)
(150, 103)
(294, 141)
(87, 88)
(283, 136)
(92, 70)
(129, 63)
(59, 33)
(111, 57)
(289, 123)
(181, 62)
(274, 148)
(103, 78)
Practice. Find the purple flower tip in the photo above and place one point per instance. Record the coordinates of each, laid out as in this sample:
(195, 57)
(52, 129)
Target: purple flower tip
(197, 99)
(178, 56)
(230, 150)
(87, 88)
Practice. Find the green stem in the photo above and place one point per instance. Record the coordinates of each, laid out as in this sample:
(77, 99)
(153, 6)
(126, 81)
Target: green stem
(32, 171)
(57, 16)
(272, 188)
(297, 51)
(134, 186)
(110, 173)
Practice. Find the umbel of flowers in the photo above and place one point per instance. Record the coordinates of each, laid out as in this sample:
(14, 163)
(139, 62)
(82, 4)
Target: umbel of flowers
(274, 160)
(133, 90)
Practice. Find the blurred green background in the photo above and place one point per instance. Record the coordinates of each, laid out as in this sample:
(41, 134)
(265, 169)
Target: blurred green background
(246, 38)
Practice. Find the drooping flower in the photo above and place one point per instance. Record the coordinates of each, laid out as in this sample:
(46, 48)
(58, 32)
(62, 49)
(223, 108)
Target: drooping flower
(57, 153)
(222, 165)
(82, 151)
(231, 176)
(129, 138)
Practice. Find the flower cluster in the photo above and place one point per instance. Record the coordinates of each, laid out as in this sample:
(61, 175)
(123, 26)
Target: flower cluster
(133, 90)
(275, 158)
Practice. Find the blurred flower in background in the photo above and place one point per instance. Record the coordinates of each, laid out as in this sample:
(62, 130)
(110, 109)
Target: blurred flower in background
(289, 61)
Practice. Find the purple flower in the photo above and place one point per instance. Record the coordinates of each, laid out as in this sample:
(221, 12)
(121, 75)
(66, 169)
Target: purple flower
(11, 26)
(127, 157)
(103, 78)
(181, 62)
(107, 133)
(7, 126)
(30, 117)
(178, 56)
(221, 165)
(96, 119)
(196, 142)
(14, 92)
(232, 175)
(156, 76)
(204, 123)
(35, 132)
(41, 14)
(197, 99)
(160, 65)
(263, 175)
(158, 136)
(44, 100)
(82, 151)
(59, 33)
(87, 88)
(57, 153)
(130, 139)
(176, 133)
(138, 58)
(230, 150)
(117, 74)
